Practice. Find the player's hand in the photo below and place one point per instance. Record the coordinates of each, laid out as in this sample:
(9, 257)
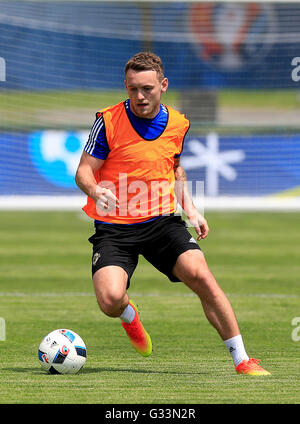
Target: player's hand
(106, 200)
(200, 224)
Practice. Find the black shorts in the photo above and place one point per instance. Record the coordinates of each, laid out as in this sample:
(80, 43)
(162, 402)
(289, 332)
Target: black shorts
(160, 241)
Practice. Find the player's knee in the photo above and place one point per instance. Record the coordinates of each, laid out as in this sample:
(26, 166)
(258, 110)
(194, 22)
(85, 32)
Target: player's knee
(203, 283)
(111, 303)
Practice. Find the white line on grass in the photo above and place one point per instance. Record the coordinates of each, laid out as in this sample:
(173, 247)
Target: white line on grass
(89, 294)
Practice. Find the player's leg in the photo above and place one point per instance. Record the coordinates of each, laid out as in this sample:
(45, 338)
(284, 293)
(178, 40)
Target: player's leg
(191, 268)
(177, 255)
(114, 260)
(110, 284)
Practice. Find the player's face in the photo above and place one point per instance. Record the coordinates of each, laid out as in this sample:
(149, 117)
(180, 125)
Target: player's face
(144, 90)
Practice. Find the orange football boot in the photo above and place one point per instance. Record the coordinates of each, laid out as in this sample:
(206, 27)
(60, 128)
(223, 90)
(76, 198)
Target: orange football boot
(138, 336)
(251, 367)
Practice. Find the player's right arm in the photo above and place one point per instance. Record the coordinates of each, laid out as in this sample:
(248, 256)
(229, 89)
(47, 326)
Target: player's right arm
(85, 179)
(85, 175)
(95, 152)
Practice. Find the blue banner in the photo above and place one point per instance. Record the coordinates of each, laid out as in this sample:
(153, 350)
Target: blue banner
(85, 45)
(45, 162)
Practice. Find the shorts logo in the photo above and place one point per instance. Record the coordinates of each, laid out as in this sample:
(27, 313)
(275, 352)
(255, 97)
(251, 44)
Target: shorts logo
(95, 258)
(192, 240)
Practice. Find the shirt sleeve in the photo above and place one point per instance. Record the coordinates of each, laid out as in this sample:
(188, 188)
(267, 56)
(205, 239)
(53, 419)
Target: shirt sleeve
(97, 143)
(185, 129)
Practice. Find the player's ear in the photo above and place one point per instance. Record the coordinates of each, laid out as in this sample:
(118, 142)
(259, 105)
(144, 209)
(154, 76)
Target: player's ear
(164, 85)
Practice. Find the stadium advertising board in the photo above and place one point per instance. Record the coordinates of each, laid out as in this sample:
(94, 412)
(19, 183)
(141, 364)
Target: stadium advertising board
(198, 47)
(45, 162)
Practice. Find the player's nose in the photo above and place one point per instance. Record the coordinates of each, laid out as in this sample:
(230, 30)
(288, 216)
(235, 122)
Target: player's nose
(140, 95)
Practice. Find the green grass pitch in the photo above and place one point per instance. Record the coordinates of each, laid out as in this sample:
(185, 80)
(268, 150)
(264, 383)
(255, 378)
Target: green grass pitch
(46, 284)
(30, 110)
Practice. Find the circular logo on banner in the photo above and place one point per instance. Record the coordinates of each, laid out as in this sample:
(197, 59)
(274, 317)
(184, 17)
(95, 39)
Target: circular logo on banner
(230, 36)
(56, 155)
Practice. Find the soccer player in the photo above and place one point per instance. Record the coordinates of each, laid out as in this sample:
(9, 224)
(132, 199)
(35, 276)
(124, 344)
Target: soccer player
(130, 170)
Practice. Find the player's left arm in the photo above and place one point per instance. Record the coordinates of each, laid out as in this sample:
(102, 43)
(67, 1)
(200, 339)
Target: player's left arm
(185, 200)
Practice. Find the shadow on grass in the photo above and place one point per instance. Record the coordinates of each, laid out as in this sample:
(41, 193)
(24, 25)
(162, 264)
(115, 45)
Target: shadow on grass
(97, 370)
(90, 370)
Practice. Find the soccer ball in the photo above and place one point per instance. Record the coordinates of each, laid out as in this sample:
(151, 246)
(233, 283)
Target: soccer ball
(62, 352)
